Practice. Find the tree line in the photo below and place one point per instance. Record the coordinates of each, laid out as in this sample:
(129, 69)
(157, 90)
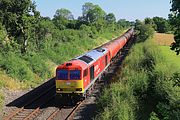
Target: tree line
(23, 29)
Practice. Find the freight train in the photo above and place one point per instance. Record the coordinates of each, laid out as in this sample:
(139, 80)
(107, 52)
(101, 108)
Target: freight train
(75, 77)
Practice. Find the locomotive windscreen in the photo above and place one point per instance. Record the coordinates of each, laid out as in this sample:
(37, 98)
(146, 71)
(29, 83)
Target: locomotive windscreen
(62, 74)
(75, 75)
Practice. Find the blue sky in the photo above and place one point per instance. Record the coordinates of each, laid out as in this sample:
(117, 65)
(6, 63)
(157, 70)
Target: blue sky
(123, 9)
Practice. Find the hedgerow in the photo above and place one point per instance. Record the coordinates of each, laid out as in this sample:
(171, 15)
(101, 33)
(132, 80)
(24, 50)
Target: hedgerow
(144, 88)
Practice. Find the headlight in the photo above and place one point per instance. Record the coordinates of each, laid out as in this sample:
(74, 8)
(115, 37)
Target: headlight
(59, 89)
(78, 89)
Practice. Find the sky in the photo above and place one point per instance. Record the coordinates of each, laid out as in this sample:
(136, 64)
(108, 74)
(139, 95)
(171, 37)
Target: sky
(123, 9)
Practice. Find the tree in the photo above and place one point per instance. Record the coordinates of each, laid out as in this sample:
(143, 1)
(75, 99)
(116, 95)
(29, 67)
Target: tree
(62, 18)
(95, 14)
(162, 24)
(92, 13)
(150, 22)
(175, 17)
(44, 32)
(19, 18)
(85, 9)
(143, 31)
(123, 22)
(110, 18)
(111, 22)
(64, 13)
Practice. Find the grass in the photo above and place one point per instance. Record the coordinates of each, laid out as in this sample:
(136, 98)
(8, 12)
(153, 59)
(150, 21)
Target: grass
(164, 41)
(9, 82)
(144, 88)
(170, 56)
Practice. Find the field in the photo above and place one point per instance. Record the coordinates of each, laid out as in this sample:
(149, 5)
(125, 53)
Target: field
(163, 39)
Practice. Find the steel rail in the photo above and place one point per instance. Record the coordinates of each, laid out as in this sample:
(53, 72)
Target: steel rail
(74, 110)
(19, 110)
(54, 114)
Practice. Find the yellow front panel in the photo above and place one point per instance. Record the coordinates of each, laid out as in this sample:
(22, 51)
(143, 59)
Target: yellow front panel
(69, 86)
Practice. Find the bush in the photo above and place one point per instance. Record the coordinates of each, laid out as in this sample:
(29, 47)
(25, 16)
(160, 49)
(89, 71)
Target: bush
(16, 67)
(144, 32)
(38, 65)
(146, 87)
(117, 103)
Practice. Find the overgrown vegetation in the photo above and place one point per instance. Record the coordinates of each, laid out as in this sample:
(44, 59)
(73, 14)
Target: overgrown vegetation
(175, 21)
(143, 31)
(31, 46)
(161, 25)
(146, 88)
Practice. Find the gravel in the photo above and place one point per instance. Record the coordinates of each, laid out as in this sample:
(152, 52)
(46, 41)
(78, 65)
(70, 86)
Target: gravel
(10, 95)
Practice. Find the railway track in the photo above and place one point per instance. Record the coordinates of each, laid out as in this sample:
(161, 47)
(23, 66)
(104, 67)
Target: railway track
(65, 112)
(32, 108)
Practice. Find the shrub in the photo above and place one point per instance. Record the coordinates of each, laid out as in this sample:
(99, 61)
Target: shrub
(144, 32)
(148, 84)
(117, 103)
(38, 65)
(16, 67)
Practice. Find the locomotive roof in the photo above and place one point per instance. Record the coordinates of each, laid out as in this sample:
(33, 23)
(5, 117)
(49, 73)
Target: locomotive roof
(92, 55)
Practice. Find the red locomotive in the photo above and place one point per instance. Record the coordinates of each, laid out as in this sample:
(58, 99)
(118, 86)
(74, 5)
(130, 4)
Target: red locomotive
(75, 77)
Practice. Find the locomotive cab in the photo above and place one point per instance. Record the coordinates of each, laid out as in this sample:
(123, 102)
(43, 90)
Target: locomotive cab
(69, 79)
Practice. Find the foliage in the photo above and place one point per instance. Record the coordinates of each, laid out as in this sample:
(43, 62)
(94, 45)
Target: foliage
(175, 21)
(85, 11)
(110, 18)
(19, 23)
(38, 65)
(16, 67)
(146, 83)
(151, 22)
(144, 31)
(123, 23)
(162, 25)
(176, 79)
(3, 34)
(28, 42)
(117, 103)
(62, 18)
(31, 46)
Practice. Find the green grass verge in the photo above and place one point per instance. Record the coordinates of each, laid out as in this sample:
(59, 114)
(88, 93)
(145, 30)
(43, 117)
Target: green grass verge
(170, 56)
(144, 88)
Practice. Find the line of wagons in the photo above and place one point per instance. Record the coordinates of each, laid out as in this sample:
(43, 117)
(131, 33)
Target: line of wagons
(75, 77)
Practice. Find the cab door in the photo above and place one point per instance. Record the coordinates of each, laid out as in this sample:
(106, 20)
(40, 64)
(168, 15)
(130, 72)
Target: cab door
(92, 73)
